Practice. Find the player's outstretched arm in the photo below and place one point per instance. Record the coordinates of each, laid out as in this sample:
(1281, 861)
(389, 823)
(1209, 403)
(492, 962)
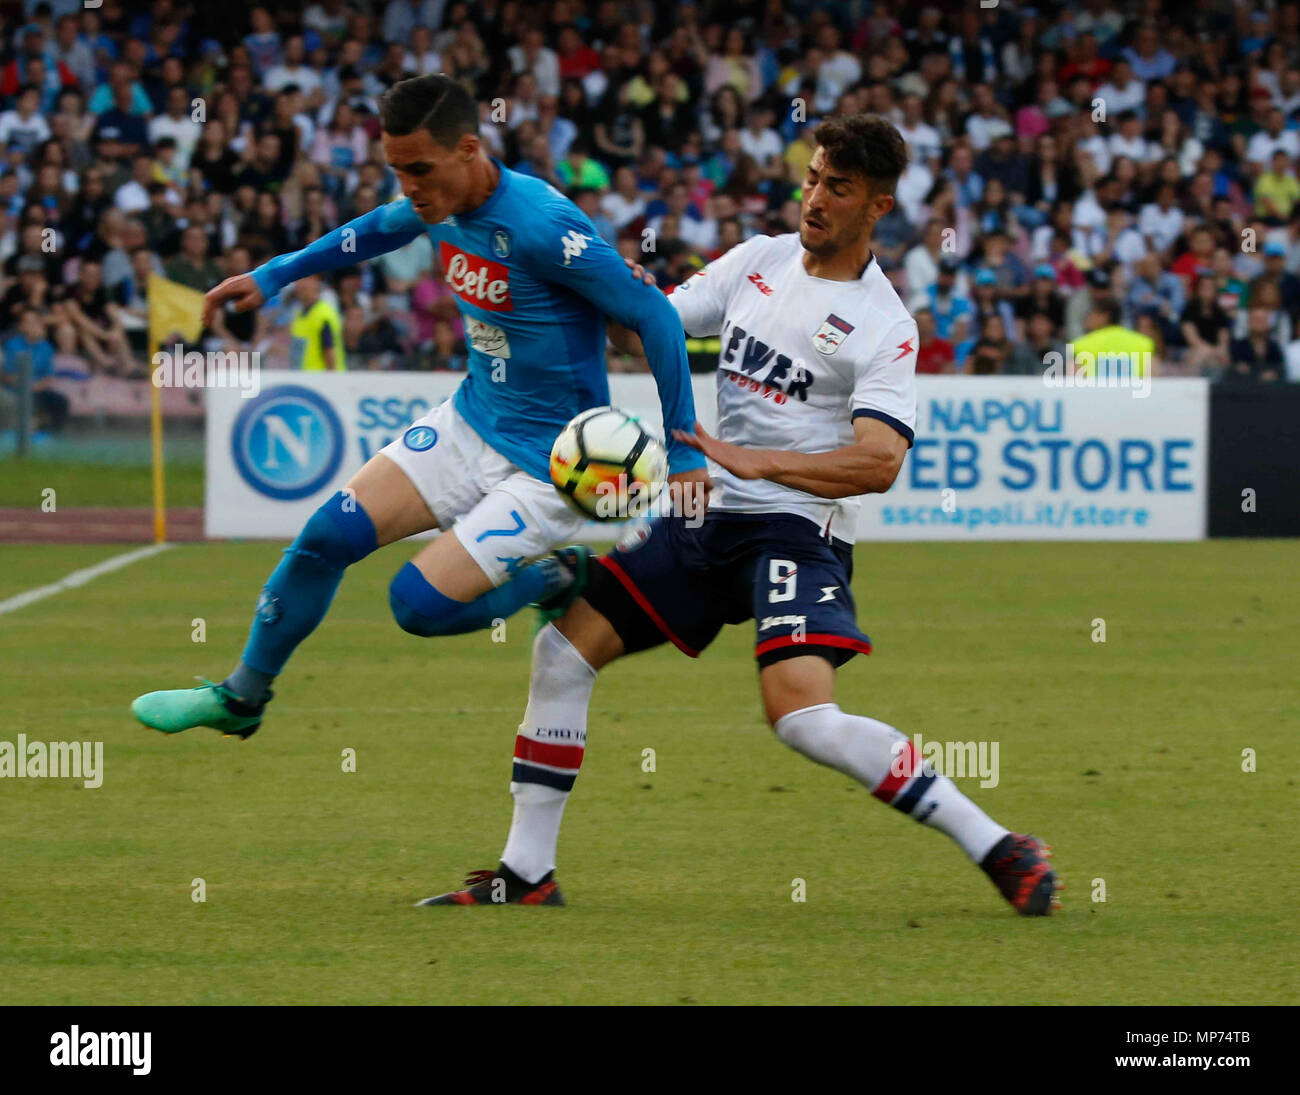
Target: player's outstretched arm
(624, 340)
(579, 259)
(381, 230)
(868, 466)
(241, 289)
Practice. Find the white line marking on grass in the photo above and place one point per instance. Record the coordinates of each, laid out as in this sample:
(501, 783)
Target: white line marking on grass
(80, 577)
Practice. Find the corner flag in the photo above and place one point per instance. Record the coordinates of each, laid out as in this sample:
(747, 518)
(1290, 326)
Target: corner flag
(173, 309)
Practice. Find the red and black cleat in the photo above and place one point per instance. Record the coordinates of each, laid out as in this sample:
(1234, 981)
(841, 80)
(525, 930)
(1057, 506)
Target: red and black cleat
(501, 887)
(1019, 869)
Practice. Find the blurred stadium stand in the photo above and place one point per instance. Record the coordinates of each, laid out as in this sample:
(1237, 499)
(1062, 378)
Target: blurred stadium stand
(1074, 166)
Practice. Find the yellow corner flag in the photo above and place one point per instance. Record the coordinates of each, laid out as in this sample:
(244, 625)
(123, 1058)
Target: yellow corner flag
(174, 309)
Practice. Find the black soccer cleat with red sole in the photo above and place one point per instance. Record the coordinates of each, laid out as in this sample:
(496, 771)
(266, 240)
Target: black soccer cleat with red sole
(501, 887)
(1018, 866)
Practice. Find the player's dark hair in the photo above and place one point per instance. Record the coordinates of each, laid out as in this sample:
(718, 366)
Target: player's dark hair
(866, 145)
(1109, 309)
(434, 103)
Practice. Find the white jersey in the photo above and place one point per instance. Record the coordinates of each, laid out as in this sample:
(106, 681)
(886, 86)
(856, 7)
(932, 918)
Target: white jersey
(801, 358)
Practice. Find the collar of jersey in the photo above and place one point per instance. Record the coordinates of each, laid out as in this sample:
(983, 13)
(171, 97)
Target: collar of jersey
(862, 277)
(493, 198)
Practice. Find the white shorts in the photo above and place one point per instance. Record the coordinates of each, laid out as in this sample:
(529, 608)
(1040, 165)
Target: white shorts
(502, 515)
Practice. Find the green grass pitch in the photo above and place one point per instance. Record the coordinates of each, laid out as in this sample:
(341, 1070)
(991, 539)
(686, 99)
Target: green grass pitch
(1127, 756)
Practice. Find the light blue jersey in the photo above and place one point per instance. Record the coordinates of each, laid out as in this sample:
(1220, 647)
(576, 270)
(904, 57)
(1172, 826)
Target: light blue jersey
(534, 282)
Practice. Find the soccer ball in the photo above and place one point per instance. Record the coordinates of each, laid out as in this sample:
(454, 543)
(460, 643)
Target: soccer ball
(607, 465)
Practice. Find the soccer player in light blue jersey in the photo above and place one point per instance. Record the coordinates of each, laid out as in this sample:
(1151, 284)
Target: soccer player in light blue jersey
(534, 283)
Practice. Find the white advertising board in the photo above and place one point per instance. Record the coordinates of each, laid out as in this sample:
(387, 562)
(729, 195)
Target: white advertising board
(995, 457)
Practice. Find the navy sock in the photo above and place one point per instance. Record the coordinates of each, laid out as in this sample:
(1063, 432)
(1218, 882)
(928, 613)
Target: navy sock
(299, 591)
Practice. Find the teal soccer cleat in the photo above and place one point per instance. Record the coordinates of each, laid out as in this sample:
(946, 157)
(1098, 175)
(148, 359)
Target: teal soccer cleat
(576, 560)
(210, 704)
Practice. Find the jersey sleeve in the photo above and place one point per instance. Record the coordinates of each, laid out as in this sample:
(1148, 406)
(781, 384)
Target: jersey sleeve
(701, 300)
(885, 386)
(564, 248)
(375, 233)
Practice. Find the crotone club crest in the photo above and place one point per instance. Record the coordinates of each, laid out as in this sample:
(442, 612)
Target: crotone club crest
(831, 333)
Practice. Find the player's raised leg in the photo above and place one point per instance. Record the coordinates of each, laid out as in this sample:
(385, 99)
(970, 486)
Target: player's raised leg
(548, 754)
(798, 698)
(500, 556)
(445, 589)
(379, 505)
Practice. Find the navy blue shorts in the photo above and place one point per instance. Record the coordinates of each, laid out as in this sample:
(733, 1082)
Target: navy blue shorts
(681, 584)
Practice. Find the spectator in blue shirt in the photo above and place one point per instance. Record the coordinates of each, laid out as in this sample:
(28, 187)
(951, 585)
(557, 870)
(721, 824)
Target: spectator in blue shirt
(49, 407)
(1148, 60)
(111, 94)
(1157, 292)
(949, 309)
(968, 184)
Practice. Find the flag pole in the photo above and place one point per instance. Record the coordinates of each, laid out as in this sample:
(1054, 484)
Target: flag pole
(156, 430)
(173, 309)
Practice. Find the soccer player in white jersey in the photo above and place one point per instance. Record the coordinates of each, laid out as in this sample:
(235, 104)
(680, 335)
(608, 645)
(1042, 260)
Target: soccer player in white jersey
(816, 406)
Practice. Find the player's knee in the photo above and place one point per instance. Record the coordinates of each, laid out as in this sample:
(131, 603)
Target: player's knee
(420, 609)
(780, 703)
(590, 634)
(414, 602)
(801, 729)
(338, 534)
(557, 658)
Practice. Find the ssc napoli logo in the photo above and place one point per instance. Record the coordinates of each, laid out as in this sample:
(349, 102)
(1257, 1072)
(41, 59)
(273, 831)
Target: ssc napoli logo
(501, 243)
(287, 443)
(420, 438)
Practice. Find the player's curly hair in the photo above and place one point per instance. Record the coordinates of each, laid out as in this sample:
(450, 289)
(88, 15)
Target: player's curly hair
(866, 145)
(436, 103)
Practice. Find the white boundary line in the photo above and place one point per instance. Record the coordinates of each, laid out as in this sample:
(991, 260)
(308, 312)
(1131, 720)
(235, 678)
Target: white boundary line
(80, 577)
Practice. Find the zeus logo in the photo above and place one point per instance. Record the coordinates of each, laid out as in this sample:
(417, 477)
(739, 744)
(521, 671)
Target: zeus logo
(574, 245)
(751, 356)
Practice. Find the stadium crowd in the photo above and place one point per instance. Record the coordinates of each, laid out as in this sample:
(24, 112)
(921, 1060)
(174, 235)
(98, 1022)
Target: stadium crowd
(1128, 168)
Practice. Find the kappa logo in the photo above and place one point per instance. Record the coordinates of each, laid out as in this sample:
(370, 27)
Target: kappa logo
(831, 334)
(757, 279)
(575, 243)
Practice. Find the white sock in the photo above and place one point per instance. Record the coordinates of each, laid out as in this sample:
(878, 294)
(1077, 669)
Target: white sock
(548, 752)
(878, 756)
